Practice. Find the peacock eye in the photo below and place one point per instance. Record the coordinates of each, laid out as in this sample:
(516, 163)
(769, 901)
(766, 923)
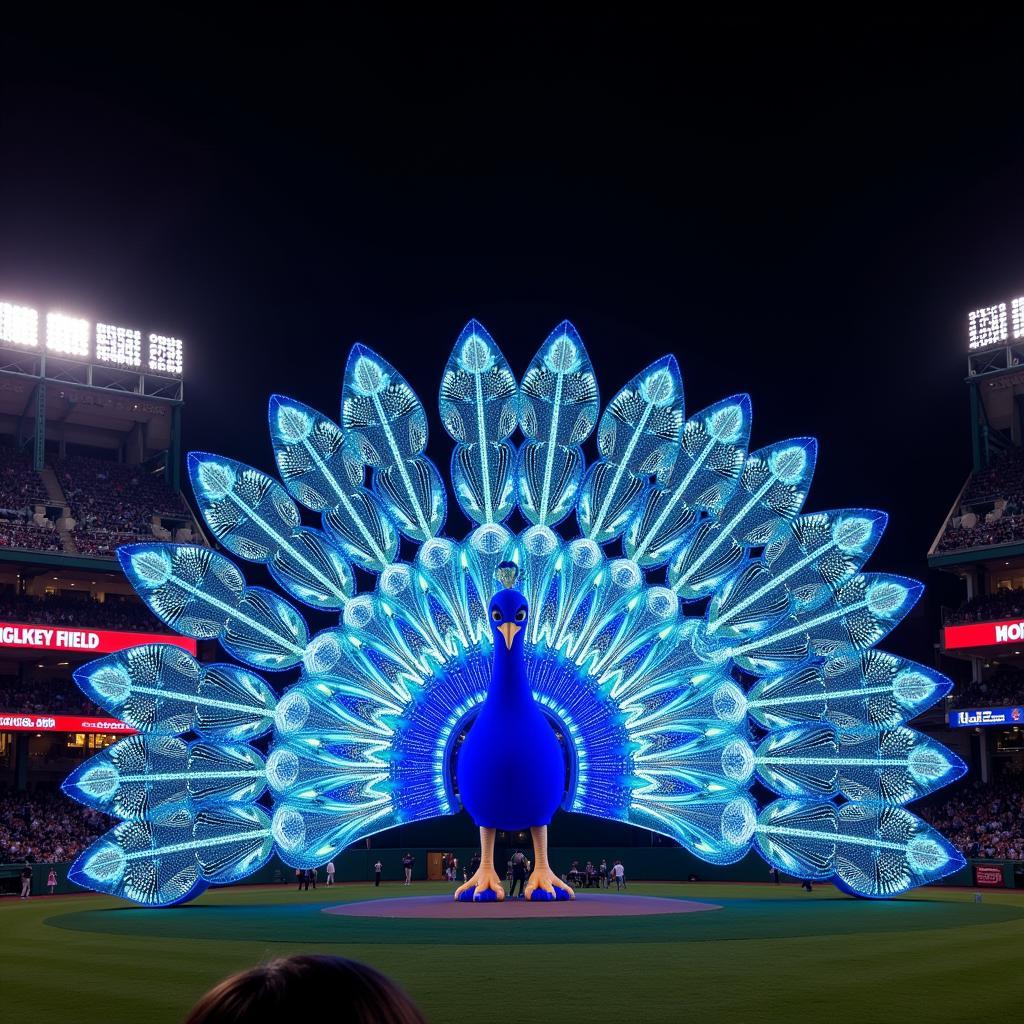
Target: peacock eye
(496, 615)
(521, 615)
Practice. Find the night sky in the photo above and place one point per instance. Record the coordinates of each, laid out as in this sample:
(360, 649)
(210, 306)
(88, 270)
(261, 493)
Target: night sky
(803, 212)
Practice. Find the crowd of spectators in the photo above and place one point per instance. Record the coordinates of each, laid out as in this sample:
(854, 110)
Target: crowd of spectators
(997, 491)
(1002, 688)
(113, 502)
(83, 612)
(46, 697)
(1003, 604)
(983, 819)
(20, 484)
(29, 536)
(45, 827)
(1002, 531)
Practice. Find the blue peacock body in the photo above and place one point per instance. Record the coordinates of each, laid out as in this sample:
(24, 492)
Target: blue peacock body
(727, 652)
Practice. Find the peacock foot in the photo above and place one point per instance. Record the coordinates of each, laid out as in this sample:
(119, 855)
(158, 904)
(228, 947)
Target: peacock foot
(544, 884)
(482, 887)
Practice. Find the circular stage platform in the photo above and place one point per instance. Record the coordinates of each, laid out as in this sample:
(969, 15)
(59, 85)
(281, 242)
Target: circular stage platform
(585, 905)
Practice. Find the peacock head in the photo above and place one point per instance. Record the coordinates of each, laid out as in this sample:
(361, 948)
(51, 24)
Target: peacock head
(508, 611)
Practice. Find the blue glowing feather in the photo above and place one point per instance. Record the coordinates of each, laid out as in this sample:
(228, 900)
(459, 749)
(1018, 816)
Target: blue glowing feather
(159, 688)
(638, 438)
(772, 487)
(252, 515)
(873, 689)
(385, 427)
(639, 680)
(139, 775)
(310, 452)
(558, 412)
(872, 850)
(703, 475)
(479, 406)
(202, 594)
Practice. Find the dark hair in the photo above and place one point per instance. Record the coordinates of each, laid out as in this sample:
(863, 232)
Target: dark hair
(295, 987)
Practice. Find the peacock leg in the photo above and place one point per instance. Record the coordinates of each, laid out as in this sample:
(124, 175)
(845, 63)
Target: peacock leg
(543, 883)
(485, 883)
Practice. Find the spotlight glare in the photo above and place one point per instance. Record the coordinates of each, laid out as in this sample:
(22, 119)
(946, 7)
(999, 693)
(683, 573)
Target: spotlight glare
(19, 325)
(119, 345)
(67, 335)
(164, 354)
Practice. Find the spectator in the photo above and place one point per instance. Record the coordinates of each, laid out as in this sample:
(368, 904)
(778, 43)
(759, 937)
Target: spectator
(1004, 686)
(46, 827)
(619, 873)
(982, 819)
(1003, 604)
(81, 610)
(994, 496)
(301, 987)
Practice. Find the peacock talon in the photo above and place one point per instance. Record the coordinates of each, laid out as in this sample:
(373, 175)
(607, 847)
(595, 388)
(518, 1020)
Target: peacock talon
(483, 887)
(545, 885)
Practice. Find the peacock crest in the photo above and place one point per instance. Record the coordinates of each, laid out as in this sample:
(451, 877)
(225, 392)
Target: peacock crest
(706, 647)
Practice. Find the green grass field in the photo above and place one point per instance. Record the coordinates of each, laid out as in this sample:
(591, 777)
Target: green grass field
(770, 954)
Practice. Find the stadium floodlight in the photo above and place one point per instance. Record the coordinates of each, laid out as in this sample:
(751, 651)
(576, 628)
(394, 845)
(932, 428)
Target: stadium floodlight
(19, 325)
(67, 335)
(1017, 317)
(119, 345)
(987, 326)
(164, 354)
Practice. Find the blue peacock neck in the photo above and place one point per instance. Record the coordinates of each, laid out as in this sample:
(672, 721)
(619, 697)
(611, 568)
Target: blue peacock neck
(510, 689)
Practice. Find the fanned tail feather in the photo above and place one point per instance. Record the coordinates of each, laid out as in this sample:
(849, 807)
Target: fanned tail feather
(558, 411)
(310, 452)
(201, 594)
(253, 516)
(385, 427)
(638, 437)
(703, 476)
(479, 405)
(158, 688)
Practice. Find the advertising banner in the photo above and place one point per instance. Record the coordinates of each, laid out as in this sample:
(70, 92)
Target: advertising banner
(965, 717)
(83, 641)
(20, 721)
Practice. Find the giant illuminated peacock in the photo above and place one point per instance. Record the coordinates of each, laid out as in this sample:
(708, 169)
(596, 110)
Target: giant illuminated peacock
(730, 645)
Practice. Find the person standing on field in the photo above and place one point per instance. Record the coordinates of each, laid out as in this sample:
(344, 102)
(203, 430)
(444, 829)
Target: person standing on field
(377, 869)
(619, 873)
(330, 873)
(407, 862)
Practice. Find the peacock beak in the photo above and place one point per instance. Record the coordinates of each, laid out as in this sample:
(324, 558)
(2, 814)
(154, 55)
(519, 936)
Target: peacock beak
(508, 630)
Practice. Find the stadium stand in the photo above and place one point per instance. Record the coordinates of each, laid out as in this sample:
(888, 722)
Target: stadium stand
(1007, 603)
(1001, 688)
(45, 827)
(27, 536)
(50, 697)
(20, 485)
(56, 610)
(983, 819)
(115, 497)
(991, 508)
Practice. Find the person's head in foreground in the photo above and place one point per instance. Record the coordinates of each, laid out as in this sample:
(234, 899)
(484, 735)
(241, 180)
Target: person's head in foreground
(303, 987)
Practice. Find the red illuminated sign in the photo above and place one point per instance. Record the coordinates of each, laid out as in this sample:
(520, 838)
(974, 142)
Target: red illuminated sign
(82, 641)
(984, 634)
(988, 874)
(23, 722)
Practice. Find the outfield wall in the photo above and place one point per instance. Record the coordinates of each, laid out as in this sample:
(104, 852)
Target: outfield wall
(641, 864)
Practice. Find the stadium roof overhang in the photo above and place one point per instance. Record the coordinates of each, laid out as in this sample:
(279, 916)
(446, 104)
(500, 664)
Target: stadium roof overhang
(84, 414)
(994, 556)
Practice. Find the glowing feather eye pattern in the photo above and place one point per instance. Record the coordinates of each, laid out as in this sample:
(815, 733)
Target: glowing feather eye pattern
(669, 717)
